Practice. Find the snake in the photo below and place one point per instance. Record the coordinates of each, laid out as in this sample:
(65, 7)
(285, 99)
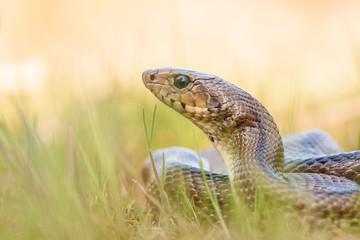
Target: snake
(306, 171)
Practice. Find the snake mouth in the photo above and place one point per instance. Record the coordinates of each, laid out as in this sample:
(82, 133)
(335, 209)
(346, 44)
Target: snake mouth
(180, 106)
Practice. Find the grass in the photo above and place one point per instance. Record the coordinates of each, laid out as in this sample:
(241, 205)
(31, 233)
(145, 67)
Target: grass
(70, 168)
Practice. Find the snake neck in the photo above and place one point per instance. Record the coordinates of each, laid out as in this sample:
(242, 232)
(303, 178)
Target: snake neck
(251, 147)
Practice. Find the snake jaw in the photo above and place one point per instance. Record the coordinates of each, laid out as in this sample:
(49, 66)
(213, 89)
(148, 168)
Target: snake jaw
(181, 106)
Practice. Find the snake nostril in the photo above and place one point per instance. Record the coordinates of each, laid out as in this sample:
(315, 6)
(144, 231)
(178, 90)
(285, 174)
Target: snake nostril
(152, 77)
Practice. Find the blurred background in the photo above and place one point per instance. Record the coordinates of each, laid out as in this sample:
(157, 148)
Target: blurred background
(72, 142)
(300, 58)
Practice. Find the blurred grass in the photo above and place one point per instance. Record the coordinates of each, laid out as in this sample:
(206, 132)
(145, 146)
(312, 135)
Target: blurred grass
(70, 162)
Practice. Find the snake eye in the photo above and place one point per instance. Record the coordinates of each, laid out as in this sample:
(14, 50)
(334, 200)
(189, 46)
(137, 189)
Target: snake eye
(181, 81)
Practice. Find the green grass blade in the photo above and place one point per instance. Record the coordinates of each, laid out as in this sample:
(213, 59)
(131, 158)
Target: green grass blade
(212, 194)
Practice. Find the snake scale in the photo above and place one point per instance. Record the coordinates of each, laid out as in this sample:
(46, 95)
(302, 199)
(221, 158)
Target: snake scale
(305, 171)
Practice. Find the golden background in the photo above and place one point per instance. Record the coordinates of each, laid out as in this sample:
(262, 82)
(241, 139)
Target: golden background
(301, 58)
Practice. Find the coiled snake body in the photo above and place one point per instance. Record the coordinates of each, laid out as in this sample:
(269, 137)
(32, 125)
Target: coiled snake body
(316, 178)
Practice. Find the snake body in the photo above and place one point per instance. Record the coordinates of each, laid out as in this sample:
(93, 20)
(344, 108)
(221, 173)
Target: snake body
(305, 171)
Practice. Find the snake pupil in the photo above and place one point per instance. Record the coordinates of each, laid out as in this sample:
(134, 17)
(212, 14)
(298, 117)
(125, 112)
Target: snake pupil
(181, 81)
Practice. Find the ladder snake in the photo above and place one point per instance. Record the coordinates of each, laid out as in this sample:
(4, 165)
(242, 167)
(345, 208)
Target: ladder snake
(306, 171)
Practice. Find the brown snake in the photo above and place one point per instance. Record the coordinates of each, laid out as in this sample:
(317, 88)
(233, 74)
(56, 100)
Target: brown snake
(315, 178)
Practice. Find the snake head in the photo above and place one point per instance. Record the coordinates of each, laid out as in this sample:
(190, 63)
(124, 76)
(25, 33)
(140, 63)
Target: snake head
(198, 96)
(183, 90)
